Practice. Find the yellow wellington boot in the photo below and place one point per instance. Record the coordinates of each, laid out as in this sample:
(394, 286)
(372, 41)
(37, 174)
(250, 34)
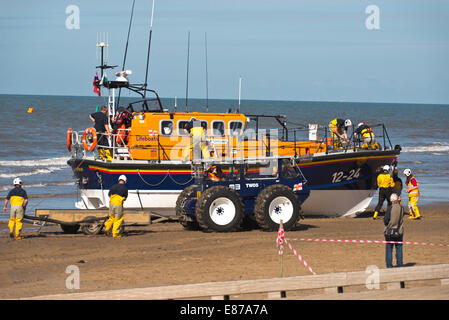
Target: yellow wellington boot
(108, 155)
(11, 225)
(108, 226)
(101, 154)
(375, 215)
(19, 225)
(416, 213)
(115, 231)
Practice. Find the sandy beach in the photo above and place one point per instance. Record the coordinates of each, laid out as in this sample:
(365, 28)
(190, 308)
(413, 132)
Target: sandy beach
(165, 253)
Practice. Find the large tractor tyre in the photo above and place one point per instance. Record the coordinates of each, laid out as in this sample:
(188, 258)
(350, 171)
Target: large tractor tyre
(276, 203)
(219, 209)
(183, 196)
(92, 228)
(70, 228)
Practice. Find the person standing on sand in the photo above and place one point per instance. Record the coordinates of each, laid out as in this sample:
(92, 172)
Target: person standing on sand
(385, 183)
(413, 194)
(117, 195)
(19, 201)
(394, 231)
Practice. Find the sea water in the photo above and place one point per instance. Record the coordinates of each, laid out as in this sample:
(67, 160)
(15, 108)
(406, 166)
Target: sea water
(33, 145)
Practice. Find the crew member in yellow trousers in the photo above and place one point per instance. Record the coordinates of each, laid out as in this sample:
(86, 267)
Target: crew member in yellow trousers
(117, 195)
(413, 194)
(385, 183)
(198, 141)
(19, 201)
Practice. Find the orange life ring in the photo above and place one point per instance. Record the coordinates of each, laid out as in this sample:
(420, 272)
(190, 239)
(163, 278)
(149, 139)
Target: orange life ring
(69, 139)
(94, 137)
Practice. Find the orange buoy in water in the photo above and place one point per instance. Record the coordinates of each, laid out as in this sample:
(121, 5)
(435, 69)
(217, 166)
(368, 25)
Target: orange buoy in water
(30, 110)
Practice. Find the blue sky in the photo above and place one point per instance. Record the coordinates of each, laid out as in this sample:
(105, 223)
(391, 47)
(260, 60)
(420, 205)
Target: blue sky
(284, 50)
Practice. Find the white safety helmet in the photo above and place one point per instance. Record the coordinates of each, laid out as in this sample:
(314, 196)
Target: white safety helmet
(122, 177)
(17, 181)
(407, 172)
(348, 123)
(360, 124)
(386, 167)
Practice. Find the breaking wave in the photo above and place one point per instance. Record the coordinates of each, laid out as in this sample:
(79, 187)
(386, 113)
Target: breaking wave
(39, 185)
(30, 173)
(436, 147)
(61, 161)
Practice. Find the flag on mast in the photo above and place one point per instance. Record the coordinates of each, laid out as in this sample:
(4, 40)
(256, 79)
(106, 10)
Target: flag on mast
(104, 79)
(96, 86)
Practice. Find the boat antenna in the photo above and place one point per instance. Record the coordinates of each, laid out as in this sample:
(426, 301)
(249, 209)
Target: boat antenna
(126, 48)
(102, 43)
(207, 82)
(187, 81)
(240, 93)
(148, 53)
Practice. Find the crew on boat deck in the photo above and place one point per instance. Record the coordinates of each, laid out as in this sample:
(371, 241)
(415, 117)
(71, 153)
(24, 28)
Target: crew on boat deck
(339, 131)
(101, 126)
(366, 135)
(19, 201)
(117, 195)
(385, 183)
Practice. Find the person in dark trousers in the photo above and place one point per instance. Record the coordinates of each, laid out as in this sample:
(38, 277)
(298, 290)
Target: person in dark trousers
(19, 201)
(394, 231)
(385, 183)
(398, 185)
(117, 195)
(100, 120)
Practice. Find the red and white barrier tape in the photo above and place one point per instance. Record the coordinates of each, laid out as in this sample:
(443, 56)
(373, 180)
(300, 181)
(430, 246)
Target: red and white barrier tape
(280, 240)
(280, 244)
(300, 258)
(368, 241)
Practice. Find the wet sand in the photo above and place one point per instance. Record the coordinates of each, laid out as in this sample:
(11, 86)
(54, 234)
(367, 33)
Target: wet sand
(165, 253)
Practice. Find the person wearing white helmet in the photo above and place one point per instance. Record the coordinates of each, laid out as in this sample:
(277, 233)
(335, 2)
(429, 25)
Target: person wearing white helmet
(339, 131)
(117, 195)
(413, 194)
(385, 184)
(366, 135)
(19, 201)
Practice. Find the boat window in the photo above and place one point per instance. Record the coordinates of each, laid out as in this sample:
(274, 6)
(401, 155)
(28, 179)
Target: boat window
(235, 127)
(184, 124)
(182, 128)
(218, 128)
(166, 128)
(268, 170)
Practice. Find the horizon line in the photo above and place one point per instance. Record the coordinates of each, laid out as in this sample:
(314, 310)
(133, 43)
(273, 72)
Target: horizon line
(194, 98)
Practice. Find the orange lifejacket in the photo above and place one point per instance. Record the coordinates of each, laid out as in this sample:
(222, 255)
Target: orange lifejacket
(121, 137)
(213, 174)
